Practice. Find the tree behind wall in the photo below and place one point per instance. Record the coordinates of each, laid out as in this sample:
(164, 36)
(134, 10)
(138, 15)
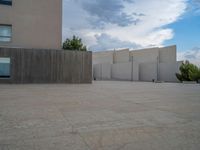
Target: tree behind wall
(188, 72)
(74, 44)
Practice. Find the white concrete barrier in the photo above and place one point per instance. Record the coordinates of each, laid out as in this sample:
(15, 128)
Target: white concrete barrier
(103, 57)
(125, 71)
(121, 71)
(102, 71)
(158, 64)
(145, 55)
(167, 54)
(148, 71)
(121, 56)
(167, 71)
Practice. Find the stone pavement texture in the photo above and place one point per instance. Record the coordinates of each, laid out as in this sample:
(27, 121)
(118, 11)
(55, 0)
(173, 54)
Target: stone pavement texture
(106, 115)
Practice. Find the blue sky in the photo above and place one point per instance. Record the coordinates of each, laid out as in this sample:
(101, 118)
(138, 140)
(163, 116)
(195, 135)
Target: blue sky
(135, 24)
(186, 31)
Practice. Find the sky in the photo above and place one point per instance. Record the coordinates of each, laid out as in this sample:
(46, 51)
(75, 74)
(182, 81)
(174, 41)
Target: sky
(135, 24)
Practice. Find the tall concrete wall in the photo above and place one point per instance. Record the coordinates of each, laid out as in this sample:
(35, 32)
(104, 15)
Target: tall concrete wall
(148, 71)
(167, 54)
(102, 71)
(97, 72)
(103, 57)
(135, 72)
(140, 65)
(121, 71)
(106, 71)
(35, 23)
(121, 56)
(47, 66)
(145, 55)
(167, 71)
(125, 71)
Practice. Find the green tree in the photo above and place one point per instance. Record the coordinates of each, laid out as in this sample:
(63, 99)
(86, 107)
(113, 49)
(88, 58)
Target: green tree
(194, 73)
(74, 44)
(188, 72)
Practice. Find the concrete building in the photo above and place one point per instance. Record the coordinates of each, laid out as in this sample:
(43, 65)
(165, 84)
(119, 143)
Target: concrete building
(31, 24)
(158, 64)
(31, 42)
(21, 66)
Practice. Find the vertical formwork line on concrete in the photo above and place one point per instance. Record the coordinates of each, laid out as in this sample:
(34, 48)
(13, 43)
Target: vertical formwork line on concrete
(131, 68)
(157, 65)
(48, 66)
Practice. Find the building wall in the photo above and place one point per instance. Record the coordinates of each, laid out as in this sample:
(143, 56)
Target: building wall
(47, 66)
(102, 71)
(145, 55)
(35, 23)
(121, 56)
(148, 64)
(167, 71)
(167, 54)
(148, 71)
(106, 71)
(125, 71)
(97, 71)
(135, 72)
(103, 57)
(121, 71)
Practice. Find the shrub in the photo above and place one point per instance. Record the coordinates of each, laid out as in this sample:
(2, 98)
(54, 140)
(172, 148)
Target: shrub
(74, 44)
(188, 72)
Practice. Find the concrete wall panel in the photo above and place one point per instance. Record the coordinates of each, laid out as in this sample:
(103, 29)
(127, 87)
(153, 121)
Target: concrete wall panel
(167, 54)
(148, 71)
(102, 71)
(121, 71)
(148, 64)
(97, 71)
(145, 55)
(121, 56)
(103, 57)
(135, 72)
(106, 71)
(167, 71)
(48, 66)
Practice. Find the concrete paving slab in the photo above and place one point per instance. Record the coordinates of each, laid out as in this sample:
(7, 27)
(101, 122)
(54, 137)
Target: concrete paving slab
(105, 115)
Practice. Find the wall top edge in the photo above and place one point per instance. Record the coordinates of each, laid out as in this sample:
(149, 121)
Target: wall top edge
(133, 50)
(37, 49)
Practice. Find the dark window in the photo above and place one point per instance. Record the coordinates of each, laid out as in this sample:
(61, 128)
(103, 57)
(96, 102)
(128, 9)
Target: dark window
(4, 67)
(5, 33)
(6, 2)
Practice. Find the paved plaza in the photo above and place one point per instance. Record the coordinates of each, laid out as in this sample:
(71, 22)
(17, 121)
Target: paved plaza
(105, 115)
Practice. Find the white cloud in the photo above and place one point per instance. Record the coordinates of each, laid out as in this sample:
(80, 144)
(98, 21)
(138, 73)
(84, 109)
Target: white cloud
(192, 55)
(195, 4)
(106, 42)
(140, 22)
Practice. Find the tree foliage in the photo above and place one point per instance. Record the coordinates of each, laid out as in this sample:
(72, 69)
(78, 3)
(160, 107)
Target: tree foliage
(188, 72)
(74, 44)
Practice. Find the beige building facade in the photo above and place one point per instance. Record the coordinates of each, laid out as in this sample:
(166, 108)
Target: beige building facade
(31, 24)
